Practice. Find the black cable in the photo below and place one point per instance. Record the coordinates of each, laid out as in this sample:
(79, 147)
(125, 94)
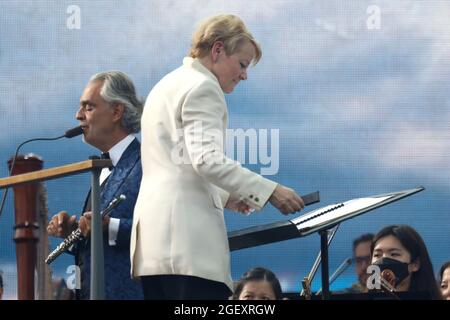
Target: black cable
(68, 134)
(14, 162)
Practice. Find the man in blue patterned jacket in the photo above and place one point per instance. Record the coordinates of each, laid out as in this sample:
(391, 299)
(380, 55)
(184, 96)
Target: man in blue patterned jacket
(109, 114)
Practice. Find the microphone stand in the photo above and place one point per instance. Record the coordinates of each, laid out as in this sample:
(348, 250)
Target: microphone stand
(97, 284)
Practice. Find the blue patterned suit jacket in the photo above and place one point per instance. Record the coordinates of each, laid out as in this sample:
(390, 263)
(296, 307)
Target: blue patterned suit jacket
(125, 179)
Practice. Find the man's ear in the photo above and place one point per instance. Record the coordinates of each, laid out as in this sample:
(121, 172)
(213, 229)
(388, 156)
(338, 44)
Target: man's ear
(216, 50)
(118, 110)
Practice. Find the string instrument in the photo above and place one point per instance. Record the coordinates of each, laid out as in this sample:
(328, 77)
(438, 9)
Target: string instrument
(306, 284)
(387, 282)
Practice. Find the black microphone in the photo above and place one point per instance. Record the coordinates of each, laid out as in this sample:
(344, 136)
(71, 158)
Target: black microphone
(68, 134)
(73, 132)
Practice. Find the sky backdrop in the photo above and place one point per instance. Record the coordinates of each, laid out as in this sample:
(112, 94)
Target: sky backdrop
(357, 89)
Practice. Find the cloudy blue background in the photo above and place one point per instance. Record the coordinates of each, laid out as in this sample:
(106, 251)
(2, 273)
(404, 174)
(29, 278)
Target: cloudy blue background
(360, 111)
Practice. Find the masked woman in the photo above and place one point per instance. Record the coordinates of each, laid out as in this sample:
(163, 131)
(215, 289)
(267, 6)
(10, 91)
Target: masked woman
(402, 250)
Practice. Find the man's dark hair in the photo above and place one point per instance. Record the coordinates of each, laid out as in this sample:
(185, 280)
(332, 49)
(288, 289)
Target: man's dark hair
(367, 237)
(1, 280)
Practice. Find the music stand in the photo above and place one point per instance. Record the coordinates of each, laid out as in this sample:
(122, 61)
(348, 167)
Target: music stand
(319, 220)
(306, 282)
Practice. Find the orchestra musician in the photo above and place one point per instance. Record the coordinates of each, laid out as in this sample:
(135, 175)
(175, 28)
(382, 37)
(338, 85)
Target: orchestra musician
(402, 257)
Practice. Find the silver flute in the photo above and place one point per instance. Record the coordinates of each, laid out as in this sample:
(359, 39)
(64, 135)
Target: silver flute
(76, 235)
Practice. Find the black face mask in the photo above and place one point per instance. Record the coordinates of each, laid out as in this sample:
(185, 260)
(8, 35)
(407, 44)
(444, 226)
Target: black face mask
(400, 269)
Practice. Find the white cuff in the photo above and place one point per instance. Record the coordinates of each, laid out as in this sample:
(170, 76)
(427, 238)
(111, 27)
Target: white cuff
(113, 230)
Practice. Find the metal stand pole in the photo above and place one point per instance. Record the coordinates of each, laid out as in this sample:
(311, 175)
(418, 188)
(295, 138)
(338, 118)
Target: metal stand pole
(97, 258)
(324, 254)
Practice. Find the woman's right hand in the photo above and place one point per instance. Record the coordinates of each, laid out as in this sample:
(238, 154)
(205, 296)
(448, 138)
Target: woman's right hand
(286, 200)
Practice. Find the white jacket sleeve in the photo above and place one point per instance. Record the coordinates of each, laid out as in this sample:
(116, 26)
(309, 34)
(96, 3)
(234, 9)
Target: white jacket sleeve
(203, 113)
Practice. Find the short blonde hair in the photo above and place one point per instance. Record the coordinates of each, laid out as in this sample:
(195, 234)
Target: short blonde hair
(227, 28)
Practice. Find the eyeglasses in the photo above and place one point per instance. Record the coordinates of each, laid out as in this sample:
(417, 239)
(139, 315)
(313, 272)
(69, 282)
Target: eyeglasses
(361, 260)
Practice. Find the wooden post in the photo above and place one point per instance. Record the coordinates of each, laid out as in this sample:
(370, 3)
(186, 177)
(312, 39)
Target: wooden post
(25, 190)
(25, 235)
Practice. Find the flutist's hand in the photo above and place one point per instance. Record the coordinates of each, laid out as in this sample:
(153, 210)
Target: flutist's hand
(85, 223)
(286, 200)
(61, 225)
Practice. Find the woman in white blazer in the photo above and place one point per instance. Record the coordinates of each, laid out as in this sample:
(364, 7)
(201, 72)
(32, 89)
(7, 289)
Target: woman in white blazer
(179, 244)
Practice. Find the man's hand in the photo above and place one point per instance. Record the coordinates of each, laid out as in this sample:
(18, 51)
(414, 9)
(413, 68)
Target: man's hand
(286, 200)
(61, 225)
(85, 223)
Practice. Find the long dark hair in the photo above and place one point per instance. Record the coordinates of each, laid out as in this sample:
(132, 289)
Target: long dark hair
(258, 274)
(422, 280)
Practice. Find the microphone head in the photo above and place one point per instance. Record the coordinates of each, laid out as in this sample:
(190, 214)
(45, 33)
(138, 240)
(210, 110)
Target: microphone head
(73, 132)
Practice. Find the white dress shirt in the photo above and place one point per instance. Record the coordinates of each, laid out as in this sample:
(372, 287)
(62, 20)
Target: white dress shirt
(115, 153)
